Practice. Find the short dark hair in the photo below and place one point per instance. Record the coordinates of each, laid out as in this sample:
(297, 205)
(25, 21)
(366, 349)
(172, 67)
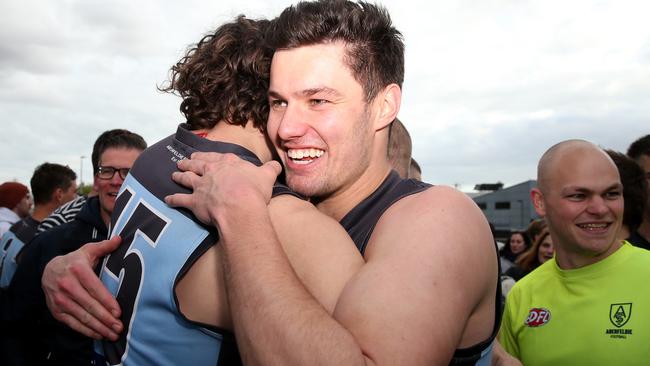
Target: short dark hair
(225, 77)
(639, 147)
(118, 138)
(374, 48)
(635, 189)
(47, 178)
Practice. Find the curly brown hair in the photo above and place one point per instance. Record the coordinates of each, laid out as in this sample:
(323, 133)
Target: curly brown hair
(225, 76)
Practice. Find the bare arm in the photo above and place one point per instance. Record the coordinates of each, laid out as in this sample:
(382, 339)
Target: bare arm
(75, 295)
(389, 313)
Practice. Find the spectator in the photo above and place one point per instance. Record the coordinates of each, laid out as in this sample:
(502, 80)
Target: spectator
(639, 150)
(586, 306)
(399, 148)
(517, 243)
(35, 337)
(52, 185)
(533, 257)
(15, 204)
(635, 196)
(415, 172)
(535, 228)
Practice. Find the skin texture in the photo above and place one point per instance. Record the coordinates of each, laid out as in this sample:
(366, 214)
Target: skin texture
(580, 195)
(316, 103)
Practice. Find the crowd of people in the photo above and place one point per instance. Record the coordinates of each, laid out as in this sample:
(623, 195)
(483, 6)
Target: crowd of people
(284, 222)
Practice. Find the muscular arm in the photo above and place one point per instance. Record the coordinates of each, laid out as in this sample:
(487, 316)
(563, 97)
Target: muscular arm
(428, 286)
(320, 251)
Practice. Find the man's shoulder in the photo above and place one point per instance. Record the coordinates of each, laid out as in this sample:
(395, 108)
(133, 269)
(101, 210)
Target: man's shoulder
(434, 207)
(637, 258)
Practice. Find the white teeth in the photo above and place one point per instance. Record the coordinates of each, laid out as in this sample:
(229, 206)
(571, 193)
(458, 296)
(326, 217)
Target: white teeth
(305, 153)
(593, 226)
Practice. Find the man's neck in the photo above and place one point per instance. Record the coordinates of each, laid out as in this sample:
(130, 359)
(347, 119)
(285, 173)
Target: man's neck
(338, 204)
(572, 260)
(42, 211)
(248, 137)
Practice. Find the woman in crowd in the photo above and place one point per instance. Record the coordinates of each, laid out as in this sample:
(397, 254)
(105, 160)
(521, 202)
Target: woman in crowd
(517, 244)
(541, 251)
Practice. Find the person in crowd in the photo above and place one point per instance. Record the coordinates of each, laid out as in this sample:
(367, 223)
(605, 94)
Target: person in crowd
(589, 292)
(64, 213)
(399, 148)
(533, 257)
(518, 242)
(37, 338)
(317, 77)
(52, 185)
(639, 150)
(15, 204)
(535, 228)
(415, 171)
(635, 196)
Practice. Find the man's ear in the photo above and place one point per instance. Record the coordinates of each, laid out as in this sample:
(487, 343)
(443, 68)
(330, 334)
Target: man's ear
(95, 183)
(389, 101)
(538, 201)
(58, 195)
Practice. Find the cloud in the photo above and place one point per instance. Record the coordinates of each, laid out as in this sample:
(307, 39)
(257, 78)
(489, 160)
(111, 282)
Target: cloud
(489, 85)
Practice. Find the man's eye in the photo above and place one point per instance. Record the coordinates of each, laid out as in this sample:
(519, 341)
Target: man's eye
(315, 102)
(277, 103)
(613, 195)
(576, 196)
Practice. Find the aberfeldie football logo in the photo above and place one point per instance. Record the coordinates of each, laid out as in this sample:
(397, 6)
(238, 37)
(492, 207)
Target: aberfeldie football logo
(619, 315)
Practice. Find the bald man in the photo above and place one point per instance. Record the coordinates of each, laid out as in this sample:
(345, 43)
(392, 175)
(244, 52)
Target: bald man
(589, 305)
(399, 148)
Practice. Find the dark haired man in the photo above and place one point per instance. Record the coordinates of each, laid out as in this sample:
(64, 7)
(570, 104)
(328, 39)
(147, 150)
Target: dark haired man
(639, 150)
(35, 337)
(52, 185)
(428, 292)
(585, 306)
(166, 273)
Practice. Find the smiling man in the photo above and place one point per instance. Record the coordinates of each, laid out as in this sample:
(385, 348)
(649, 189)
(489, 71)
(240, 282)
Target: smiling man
(428, 292)
(593, 291)
(33, 336)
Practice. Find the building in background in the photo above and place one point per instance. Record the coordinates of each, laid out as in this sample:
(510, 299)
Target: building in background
(506, 208)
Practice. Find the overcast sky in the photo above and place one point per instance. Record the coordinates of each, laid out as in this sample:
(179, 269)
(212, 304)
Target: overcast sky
(489, 84)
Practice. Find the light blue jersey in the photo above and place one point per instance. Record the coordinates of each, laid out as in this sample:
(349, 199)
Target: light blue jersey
(13, 242)
(159, 244)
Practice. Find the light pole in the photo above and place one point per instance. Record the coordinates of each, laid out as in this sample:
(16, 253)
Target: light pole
(81, 171)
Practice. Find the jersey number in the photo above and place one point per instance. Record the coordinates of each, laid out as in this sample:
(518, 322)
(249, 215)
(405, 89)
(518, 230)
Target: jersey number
(143, 221)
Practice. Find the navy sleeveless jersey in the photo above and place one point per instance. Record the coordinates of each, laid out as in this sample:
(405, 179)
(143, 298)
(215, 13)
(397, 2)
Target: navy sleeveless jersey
(13, 242)
(360, 223)
(159, 244)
